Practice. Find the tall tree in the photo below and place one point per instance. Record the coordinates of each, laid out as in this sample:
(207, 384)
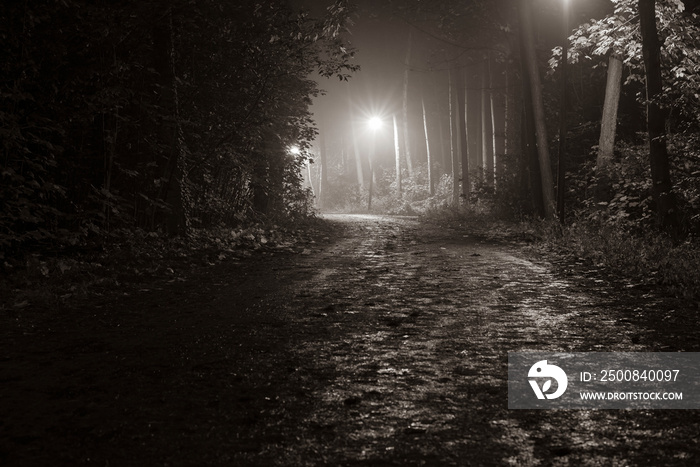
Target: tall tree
(513, 128)
(530, 60)
(563, 106)
(431, 183)
(617, 38)
(406, 132)
(656, 120)
(473, 119)
(359, 172)
(498, 119)
(608, 128)
(487, 123)
(323, 179)
(461, 124)
(397, 153)
(454, 131)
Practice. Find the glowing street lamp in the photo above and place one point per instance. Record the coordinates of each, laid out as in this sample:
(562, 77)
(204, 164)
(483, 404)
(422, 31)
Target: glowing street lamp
(375, 123)
(294, 150)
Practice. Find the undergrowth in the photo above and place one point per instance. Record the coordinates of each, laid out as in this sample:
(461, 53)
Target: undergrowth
(136, 257)
(649, 257)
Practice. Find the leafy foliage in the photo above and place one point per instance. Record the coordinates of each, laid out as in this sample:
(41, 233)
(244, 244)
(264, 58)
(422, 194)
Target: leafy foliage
(130, 114)
(619, 34)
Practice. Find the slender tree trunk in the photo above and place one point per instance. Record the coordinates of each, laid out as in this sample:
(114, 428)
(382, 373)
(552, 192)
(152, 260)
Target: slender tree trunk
(454, 134)
(445, 149)
(371, 186)
(529, 165)
(323, 180)
(343, 155)
(498, 120)
(372, 148)
(397, 152)
(486, 125)
(479, 127)
(656, 121)
(461, 124)
(561, 173)
(406, 134)
(538, 110)
(359, 172)
(311, 181)
(513, 111)
(260, 183)
(608, 127)
(473, 123)
(439, 117)
(431, 183)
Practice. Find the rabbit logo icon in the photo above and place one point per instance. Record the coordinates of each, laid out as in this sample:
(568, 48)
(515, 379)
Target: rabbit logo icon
(542, 370)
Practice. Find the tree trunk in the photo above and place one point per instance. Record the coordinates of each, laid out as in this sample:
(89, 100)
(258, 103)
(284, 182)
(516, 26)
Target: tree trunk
(454, 134)
(372, 148)
(513, 112)
(443, 146)
(323, 180)
(461, 124)
(397, 152)
(498, 119)
(259, 184)
(479, 126)
(656, 121)
(473, 123)
(608, 127)
(311, 181)
(486, 125)
(529, 165)
(406, 134)
(371, 186)
(431, 183)
(355, 149)
(561, 174)
(530, 59)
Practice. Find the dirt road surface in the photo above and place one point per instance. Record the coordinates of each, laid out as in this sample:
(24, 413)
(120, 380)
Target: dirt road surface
(383, 344)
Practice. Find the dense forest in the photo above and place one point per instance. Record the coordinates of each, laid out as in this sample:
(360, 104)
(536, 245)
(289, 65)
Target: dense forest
(159, 116)
(489, 109)
(177, 118)
(484, 117)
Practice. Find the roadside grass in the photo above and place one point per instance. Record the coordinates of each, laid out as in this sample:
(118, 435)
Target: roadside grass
(646, 257)
(619, 248)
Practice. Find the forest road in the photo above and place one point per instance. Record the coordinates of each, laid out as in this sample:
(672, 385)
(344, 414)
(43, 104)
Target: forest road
(385, 345)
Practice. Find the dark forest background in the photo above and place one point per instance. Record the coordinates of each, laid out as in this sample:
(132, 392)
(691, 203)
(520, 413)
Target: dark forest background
(156, 116)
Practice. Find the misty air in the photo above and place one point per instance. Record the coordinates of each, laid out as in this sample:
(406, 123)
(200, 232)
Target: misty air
(350, 232)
